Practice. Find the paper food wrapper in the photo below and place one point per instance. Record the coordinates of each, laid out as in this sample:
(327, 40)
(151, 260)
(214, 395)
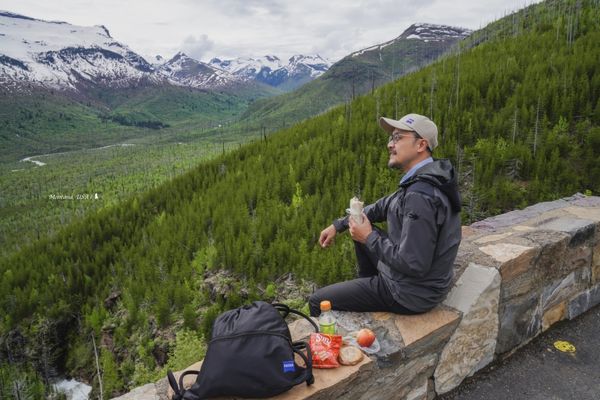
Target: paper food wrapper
(356, 209)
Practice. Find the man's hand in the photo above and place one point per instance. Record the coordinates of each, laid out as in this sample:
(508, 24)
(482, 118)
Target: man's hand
(359, 232)
(327, 236)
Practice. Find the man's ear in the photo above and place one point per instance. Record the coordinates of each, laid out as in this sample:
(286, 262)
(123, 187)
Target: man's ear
(423, 148)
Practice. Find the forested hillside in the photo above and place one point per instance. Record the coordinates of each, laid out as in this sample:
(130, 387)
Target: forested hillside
(519, 116)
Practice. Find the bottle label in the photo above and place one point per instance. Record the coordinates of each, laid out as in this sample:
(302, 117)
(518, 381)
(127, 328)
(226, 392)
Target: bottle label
(327, 328)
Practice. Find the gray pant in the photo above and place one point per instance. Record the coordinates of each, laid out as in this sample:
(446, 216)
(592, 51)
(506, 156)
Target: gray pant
(368, 292)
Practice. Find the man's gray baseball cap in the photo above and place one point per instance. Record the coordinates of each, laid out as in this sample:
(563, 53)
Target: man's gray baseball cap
(425, 127)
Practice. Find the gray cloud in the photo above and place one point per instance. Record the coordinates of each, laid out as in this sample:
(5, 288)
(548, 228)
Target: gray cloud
(231, 28)
(196, 47)
(244, 8)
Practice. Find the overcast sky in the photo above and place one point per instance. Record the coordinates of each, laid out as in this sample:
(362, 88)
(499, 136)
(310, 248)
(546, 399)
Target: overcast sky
(233, 28)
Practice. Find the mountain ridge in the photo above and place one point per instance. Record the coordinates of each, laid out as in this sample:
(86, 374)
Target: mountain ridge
(271, 70)
(358, 73)
(59, 55)
(433, 32)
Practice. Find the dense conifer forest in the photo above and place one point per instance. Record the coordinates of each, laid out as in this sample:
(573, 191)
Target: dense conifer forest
(518, 109)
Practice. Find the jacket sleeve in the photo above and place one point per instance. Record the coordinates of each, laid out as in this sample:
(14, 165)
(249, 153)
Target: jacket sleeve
(376, 212)
(412, 253)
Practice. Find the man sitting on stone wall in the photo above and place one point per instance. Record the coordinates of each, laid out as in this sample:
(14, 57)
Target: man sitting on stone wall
(409, 268)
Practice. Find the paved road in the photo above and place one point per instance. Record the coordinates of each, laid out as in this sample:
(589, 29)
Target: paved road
(539, 371)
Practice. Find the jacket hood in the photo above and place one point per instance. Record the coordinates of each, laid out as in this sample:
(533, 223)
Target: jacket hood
(439, 173)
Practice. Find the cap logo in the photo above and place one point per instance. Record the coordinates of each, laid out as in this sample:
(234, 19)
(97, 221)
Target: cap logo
(409, 120)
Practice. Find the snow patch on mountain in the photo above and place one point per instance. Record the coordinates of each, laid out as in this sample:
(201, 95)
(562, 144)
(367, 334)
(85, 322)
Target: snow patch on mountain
(422, 31)
(186, 71)
(432, 32)
(316, 65)
(247, 67)
(60, 55)
(271, 70)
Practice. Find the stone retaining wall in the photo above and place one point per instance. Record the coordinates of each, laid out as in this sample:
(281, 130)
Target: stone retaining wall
(547, 257)
(516, 275)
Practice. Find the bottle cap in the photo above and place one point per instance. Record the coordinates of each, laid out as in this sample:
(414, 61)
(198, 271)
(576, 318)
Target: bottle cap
(325, 305)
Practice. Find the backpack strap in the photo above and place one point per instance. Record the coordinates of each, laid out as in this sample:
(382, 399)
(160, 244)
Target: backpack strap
(308, 376)
(178, 390)
(174, 386)
(283, 309)
(286, 310)
(298, 346)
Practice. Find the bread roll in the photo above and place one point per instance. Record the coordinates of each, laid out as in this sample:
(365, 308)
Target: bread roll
(350, 355)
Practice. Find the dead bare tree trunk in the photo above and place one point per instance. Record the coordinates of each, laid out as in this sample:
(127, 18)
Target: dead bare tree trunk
(396, 104)
(459, 161)
(474, 198)
(514, 126)
(372, 82)
(457, 75)
(537, 124)
(431, 95)
(17, 390)
(97, 367)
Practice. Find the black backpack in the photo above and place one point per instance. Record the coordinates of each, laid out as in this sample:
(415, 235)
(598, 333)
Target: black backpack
(251, 354)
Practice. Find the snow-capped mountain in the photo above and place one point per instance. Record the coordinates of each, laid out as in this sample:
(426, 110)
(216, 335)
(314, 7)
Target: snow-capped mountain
(313, 66)
(425, 33)
(61, 55)
(187, 71)
(247, 68)
(273, 71)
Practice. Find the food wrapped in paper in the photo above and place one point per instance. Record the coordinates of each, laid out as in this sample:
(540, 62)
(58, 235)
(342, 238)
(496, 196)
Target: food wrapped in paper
(356, 209)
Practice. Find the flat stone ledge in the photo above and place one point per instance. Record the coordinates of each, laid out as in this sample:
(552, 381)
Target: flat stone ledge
(148, 391)
(519, 217)
(400, 336)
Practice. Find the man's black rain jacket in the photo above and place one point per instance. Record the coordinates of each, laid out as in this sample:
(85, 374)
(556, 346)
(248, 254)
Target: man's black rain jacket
(416, 255)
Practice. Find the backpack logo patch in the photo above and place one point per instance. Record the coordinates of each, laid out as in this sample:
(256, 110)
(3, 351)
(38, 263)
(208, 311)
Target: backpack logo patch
(288, 366)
